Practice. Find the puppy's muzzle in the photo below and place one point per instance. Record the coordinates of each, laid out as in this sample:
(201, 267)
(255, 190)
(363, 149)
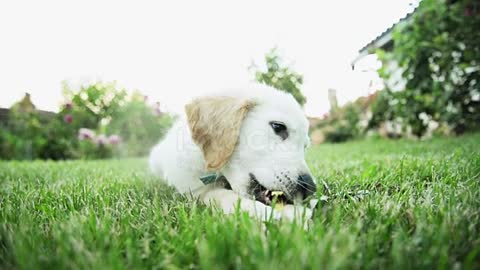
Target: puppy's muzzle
(305, 185)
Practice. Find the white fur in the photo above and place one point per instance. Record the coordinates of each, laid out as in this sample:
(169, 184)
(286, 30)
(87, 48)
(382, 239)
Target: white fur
(275, 163)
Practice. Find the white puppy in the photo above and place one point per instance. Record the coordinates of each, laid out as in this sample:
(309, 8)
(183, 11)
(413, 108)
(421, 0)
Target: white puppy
(255, 138)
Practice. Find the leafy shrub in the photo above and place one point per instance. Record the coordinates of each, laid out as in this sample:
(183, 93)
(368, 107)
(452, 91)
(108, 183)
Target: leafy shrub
(140, 125)
(92, 105)
(347, 122)
(22, 137)
(119, 126)
(91, 108)
(339, 133)
(438, 51)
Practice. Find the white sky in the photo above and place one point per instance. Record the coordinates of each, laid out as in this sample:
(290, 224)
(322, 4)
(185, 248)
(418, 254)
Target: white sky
(173, 50)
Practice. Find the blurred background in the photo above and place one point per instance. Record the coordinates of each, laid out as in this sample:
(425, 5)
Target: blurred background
(106, 79)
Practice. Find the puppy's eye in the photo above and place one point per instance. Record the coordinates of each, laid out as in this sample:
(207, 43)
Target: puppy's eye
(280, 129)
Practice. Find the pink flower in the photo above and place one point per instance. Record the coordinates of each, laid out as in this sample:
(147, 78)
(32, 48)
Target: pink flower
(114, 139)
(68, 105)
(86, 134)
(101, 140)
(68, 118)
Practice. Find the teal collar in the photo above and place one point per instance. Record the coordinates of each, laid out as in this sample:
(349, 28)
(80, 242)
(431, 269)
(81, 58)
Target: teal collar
(216, 178)
(209, 178)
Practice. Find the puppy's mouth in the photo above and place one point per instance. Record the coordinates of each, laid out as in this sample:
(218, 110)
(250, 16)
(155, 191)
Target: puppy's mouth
(266, 196)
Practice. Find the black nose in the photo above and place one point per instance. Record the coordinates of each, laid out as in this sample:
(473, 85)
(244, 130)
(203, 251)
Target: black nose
(305, 185)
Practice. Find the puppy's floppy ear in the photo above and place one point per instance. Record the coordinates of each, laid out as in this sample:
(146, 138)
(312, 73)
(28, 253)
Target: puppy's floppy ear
(215, 126)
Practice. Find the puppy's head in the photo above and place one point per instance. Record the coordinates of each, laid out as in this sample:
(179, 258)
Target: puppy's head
(258, 144)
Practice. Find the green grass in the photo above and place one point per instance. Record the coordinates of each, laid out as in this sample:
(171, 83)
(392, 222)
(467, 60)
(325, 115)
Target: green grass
(423, 211)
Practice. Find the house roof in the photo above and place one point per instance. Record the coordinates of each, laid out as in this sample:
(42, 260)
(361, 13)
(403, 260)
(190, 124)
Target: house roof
(383, 40)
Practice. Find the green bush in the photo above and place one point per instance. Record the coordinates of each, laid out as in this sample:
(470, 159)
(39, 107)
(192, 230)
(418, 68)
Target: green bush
(96, 121)
(339, 133)
(438, 51)
(93, 105)
(347, 122)
(140, 126)
(22, 137)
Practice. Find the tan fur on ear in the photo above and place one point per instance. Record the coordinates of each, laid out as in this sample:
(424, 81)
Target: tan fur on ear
(215, 126)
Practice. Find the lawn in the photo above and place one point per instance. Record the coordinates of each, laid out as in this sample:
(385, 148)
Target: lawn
(421, 210)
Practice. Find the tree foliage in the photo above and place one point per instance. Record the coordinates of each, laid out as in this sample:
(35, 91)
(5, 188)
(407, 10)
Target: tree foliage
(438, 51)
(280, 77)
